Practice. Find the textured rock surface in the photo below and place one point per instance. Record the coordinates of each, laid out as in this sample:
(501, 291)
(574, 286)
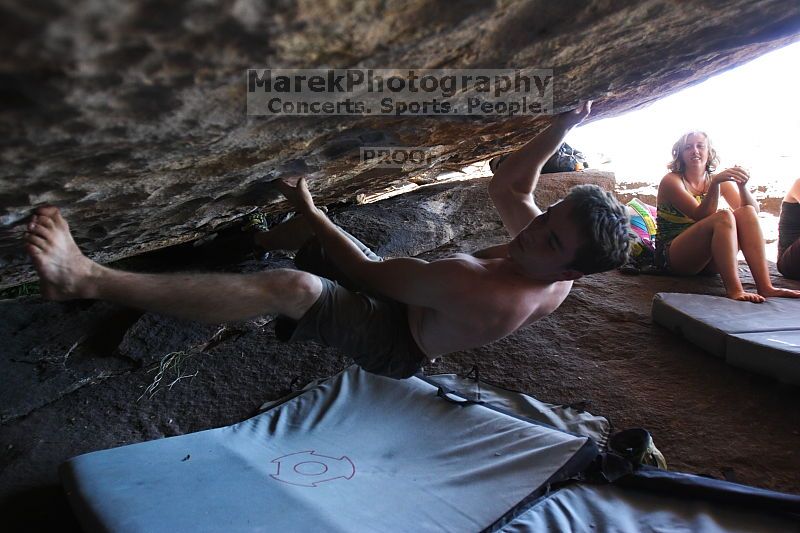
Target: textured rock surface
(130, 115)
(600, 345)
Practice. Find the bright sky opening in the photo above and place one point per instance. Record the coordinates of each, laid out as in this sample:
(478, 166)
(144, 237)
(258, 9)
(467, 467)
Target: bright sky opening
(751, 114)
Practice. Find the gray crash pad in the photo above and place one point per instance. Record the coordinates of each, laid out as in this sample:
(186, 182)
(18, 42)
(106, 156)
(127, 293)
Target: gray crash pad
(763, 338)
(356, 451)
(563, 417)
(438, 453)
(774, 353)
(611, 508)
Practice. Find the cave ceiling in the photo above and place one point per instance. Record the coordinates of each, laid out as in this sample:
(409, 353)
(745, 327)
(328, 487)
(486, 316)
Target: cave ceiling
(131, 116)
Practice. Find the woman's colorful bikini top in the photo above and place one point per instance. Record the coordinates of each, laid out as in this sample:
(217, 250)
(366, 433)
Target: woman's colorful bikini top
(671, 221)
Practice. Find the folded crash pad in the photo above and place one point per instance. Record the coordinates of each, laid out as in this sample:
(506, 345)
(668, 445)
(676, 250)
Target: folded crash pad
(612, 508)
(356, 452)
(567, 418)
(774, 353)
(443, 453)
(763, 338)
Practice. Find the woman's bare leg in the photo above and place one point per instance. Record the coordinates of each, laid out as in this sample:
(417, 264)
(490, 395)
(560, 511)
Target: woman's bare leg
(751, 242)
(789, 261)
(715, 238)
(66, 273)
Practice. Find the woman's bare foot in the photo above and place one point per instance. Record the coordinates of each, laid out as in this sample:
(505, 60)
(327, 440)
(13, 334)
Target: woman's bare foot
(747, 297)
(775, 292)
(63, 270)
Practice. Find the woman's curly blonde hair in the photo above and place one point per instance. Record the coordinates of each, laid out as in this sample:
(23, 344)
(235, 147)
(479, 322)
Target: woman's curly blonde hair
(677, 164)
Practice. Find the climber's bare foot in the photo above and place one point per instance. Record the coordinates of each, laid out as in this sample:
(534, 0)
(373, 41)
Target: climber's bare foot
(747, 297)
(774, 292)
(63, 270)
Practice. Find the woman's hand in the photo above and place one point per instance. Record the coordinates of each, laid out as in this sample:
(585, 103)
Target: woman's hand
(743, 183)
(736, 174)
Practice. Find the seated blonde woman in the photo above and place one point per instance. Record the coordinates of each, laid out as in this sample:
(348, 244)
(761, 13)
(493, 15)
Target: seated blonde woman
(693, 236)
(789, 234)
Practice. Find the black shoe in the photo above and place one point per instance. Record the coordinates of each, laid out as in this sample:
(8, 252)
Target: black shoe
(637, 446)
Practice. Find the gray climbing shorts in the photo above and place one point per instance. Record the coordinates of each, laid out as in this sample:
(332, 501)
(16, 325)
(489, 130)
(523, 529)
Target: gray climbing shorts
(374, 331)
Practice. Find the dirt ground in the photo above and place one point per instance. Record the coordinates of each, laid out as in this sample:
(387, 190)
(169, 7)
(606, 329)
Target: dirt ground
(78, 370)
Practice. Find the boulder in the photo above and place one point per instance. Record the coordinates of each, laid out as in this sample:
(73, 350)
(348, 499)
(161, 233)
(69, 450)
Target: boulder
(130, 116)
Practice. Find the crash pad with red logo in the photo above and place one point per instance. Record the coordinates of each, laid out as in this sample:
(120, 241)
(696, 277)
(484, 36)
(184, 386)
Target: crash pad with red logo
(357, 452)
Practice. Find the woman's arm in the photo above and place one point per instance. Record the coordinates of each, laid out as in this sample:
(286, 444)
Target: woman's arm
(735, 192)
(671, 190)
(793, 196)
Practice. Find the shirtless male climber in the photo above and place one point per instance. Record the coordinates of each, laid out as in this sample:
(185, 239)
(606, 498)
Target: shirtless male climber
(409, 311)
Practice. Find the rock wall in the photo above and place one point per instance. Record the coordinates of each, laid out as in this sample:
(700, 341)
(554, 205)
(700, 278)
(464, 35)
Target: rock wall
(131, 115)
